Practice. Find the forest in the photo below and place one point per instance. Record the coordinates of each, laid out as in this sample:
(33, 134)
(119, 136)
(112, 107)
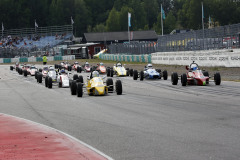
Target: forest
(112, 15)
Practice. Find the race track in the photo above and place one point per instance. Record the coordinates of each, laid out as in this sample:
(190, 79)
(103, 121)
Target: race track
(152, 120)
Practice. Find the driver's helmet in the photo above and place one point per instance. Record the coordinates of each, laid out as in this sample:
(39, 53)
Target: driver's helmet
(76, 63)
(149, 66)
(119, 65)
(51, 68)
(194, 67)
(95, 74)
(86, 63)
(62, 71)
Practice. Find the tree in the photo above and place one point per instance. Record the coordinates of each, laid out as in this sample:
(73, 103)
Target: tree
(151, 9)
(139, 17)
(112, 23)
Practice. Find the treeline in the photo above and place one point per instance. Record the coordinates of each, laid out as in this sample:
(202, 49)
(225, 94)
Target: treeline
(111, 15)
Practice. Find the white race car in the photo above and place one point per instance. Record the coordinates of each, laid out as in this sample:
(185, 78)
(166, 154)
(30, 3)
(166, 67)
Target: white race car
(61, 78)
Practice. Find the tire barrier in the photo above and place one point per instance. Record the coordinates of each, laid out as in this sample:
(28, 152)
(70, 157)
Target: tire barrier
(36, 59)
(127, 58)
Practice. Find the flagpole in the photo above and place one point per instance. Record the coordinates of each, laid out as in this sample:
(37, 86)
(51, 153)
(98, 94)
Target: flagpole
(72, 25)
(162, 19)
(2, 29)
(35, 27)
(203, 26)
(128, 29)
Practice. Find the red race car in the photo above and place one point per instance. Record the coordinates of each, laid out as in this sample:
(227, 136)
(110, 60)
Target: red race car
(87, 67)
(195, 76)
(101, 68)
(77, 67)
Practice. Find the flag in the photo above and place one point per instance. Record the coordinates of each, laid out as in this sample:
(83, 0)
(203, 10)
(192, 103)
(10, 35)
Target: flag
(2, 27)
(129, 19)
(210, 20)
(163, 13)
(72, 21)
(36, 25)
(202, 11)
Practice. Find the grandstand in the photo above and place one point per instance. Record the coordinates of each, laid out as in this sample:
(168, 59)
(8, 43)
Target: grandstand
(31, 39)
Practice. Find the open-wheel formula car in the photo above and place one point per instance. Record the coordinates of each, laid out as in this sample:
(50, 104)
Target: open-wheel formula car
(195, 76)
(77, 67)
(150, 73)
(100, 68)
(118, 70)
(15, 66)
(95, 86)
(87, 67)
(30, 70)
(61, 79)
(41, 73)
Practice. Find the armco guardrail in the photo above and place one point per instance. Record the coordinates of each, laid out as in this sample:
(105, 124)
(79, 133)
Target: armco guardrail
(126, 58)
(36, 59)
(209, 58)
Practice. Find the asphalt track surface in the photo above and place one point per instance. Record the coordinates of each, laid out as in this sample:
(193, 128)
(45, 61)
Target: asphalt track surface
(152, 119)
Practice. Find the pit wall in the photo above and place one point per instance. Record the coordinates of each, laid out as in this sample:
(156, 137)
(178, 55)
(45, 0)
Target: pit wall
(126, 58)
(36, 59)
(209, 58)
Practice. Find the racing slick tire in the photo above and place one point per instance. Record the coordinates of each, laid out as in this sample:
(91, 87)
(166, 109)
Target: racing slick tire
(109, 83)
(25, 73)
(111, 72)
(56, 66)
(40, 78)
(131, 72)
(217, 78)
(36, 74)
(184, 79)
(40, 69)
(174, 78)
(46, 81)
(141, 76)
(165, 75)
(75, 77)
(11, 68)
(79, 69)
(69, 68)
(135, 75)
(79, 90)
(108, 72)
(73, 87)
(80, 79)
(49, 82)
(20, 71)
(118, 84)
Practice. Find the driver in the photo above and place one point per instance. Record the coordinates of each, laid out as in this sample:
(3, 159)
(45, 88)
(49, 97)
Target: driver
(62, 71)
(194, 67)
(119, 64)
(149, 66)
(95, 74)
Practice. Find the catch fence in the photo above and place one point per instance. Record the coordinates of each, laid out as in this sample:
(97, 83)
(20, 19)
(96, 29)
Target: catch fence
(222, 37)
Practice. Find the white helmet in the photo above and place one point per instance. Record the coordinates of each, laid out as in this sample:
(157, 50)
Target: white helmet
(149, 66)
(95, 74)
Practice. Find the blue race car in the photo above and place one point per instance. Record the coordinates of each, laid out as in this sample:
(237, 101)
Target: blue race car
(150, 73)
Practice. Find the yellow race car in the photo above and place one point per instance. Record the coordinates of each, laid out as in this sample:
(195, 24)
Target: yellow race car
(95, 85)
(118, 70)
